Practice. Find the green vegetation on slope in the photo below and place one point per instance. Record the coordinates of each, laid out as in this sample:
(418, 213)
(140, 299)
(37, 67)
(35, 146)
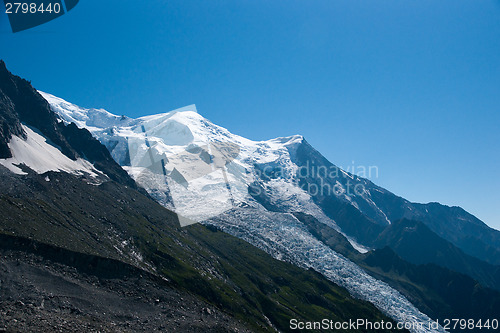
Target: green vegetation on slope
(113, 221)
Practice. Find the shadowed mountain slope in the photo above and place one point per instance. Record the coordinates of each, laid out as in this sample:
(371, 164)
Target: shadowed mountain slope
(439, 292)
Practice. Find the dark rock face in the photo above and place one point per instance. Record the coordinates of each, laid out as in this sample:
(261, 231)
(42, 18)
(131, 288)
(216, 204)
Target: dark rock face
(29, 107)
(418, 244)
(9, 124)
(9, 119)
(88, 147)
(325, 175)
(364, 219)
(437, 291)
(21, 103)
(440, 292)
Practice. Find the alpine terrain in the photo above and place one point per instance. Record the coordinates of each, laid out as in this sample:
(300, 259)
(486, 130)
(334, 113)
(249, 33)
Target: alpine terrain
(170, 222)
(277, 194)
(83, 248)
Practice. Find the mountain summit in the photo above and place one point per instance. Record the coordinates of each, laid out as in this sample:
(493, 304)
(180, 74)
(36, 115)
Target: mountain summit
(279, 175)
(83, 248)
(252, 189)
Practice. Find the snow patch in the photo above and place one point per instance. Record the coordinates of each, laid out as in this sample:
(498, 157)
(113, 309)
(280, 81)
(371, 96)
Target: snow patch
(40, 155)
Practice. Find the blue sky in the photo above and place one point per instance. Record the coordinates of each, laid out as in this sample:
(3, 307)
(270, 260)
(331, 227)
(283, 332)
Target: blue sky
(412, 87)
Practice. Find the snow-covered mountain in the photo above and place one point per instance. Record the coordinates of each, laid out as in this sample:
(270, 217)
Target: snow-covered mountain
(175, 144)
(246, 188)
(34, 140)
(269, 193)
(225, 170)
(266, 170)
(251, 188)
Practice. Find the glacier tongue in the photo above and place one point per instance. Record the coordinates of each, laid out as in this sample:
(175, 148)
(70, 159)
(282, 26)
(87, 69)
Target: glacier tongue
(286, 238)
(205, 173)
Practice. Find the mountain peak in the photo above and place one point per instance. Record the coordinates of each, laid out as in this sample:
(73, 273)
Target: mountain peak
(3, 67)
(31, 134)
(287, 140)
(188, 109)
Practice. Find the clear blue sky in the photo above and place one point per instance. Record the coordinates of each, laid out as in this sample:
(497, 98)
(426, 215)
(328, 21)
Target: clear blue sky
(410, 86)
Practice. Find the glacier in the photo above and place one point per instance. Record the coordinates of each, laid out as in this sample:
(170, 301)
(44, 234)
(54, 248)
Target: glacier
(246, 188)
